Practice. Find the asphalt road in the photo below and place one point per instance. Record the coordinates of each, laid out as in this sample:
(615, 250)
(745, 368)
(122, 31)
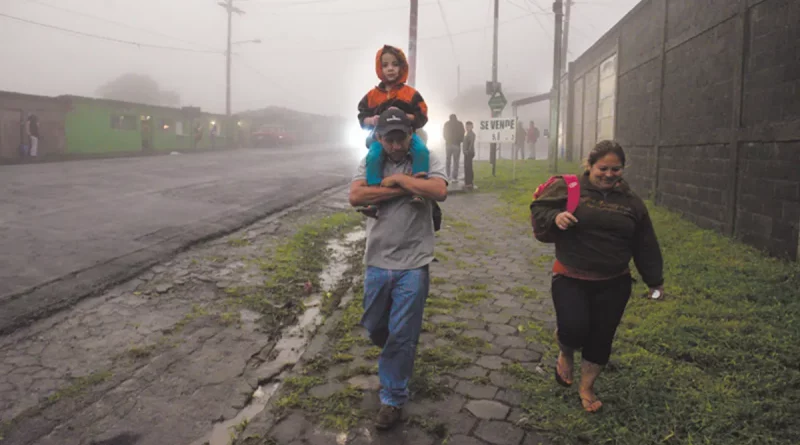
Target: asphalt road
(69, 229)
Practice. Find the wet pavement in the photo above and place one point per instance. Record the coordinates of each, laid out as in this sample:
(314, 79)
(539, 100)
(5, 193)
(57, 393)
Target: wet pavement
(169, 356)
(67, 228)
(491, 281)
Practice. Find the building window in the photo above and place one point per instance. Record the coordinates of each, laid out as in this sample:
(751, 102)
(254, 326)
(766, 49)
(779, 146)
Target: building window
(577, 125)
(607, 99)
(590, 90)
(179, 128)
(121, 122)
(563, 101)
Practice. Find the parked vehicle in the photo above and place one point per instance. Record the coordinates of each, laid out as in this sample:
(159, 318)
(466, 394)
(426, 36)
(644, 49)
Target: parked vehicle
(272, 136)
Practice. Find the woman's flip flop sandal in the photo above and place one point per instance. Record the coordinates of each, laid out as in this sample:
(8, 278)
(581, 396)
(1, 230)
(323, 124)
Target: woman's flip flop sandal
(591, 406)
(561, 381)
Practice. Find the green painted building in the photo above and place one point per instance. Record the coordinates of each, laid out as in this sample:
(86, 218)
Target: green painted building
(100, 126)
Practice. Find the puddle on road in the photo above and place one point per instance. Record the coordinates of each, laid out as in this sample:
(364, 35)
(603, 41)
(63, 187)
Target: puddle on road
(294, 340)
(337, 265)
(221, 435)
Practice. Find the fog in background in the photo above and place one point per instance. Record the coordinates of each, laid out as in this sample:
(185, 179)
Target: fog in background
(315, 56)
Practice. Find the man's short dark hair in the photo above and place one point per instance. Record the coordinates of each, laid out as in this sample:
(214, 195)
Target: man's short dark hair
(469, 122)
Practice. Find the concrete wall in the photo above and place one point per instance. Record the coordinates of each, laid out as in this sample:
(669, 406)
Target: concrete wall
(15, 107)
(708, 110)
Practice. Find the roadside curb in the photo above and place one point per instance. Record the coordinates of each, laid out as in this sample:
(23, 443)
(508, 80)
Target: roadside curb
(50, 297)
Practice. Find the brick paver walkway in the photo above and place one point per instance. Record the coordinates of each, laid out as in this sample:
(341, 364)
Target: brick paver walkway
(491, 279)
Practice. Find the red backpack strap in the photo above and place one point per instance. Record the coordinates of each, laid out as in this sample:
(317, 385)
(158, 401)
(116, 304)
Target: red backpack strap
(573, 192)
(544, 186)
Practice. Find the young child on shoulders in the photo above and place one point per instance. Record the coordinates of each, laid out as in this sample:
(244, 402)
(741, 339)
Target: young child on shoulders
(391, 66)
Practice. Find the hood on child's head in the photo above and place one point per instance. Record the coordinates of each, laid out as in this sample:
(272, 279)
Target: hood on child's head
(401, 57)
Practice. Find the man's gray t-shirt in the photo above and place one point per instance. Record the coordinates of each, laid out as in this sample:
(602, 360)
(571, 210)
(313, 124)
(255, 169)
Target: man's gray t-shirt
(402, 237)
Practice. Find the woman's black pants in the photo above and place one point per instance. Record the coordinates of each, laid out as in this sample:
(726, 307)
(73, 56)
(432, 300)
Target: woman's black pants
(588, 313)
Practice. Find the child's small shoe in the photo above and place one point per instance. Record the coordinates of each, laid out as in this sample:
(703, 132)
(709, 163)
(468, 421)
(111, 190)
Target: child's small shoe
(417, 200)
(370, 211)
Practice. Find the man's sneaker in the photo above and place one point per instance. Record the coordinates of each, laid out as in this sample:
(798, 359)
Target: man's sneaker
(370, 211)
(388, 416)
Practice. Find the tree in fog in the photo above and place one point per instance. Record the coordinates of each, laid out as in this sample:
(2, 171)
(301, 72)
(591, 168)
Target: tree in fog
(138, 88)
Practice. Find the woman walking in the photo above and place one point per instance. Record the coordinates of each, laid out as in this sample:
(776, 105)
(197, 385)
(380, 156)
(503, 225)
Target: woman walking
(591, 279)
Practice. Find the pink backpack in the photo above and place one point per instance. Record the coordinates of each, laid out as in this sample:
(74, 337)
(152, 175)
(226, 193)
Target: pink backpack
(573, 198)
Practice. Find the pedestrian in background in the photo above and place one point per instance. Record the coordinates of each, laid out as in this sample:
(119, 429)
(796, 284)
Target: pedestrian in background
(33, 134)
(591, 281)
(533, 138)
(23, 137)
(453, 133)
(519, 141)
(213, 134)
(469, 155)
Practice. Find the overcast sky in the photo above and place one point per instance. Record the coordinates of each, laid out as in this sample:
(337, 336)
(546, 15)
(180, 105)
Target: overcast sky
(315, 55)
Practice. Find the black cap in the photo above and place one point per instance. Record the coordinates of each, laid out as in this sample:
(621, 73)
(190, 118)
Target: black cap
(393, 119)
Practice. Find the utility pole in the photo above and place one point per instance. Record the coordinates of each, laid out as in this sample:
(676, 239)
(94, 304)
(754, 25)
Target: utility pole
(494, 47)
(228, 61)
(555, 95)
(566, 37)
(228, 5)
(412, 42)
(495, 113)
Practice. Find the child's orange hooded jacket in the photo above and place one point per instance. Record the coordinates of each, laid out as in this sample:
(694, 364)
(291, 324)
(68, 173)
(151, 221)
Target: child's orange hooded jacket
(399, 95)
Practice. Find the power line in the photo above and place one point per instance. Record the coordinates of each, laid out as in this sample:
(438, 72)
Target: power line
(363, 47)
(528, 9)
(113, 22)
(284, 6)
(470, 31)
(271, 79)
(533, 2)
(294, 2)
(447, 29)
(335, 13)
(108, 39)
(350, 12)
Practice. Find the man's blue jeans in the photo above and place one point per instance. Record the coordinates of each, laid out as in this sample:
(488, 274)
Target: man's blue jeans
(394, 301)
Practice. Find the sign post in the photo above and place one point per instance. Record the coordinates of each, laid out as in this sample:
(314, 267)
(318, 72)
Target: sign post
(497, 103)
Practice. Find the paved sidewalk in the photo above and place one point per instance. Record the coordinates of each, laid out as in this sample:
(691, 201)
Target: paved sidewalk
(491, 281)
(162, 358)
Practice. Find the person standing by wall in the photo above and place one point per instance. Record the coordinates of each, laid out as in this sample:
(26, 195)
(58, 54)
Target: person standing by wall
(519, 141)
(533, 137)
(469, 155)
(214, 133)
(33, 134)
(453, 137)
(23, 137)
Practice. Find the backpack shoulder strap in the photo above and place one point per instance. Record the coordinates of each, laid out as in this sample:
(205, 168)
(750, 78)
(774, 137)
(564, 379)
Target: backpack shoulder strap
(573, 192)
(542, 187)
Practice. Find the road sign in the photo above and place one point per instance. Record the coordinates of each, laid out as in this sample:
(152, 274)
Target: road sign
(497, 130)
(498, 102)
